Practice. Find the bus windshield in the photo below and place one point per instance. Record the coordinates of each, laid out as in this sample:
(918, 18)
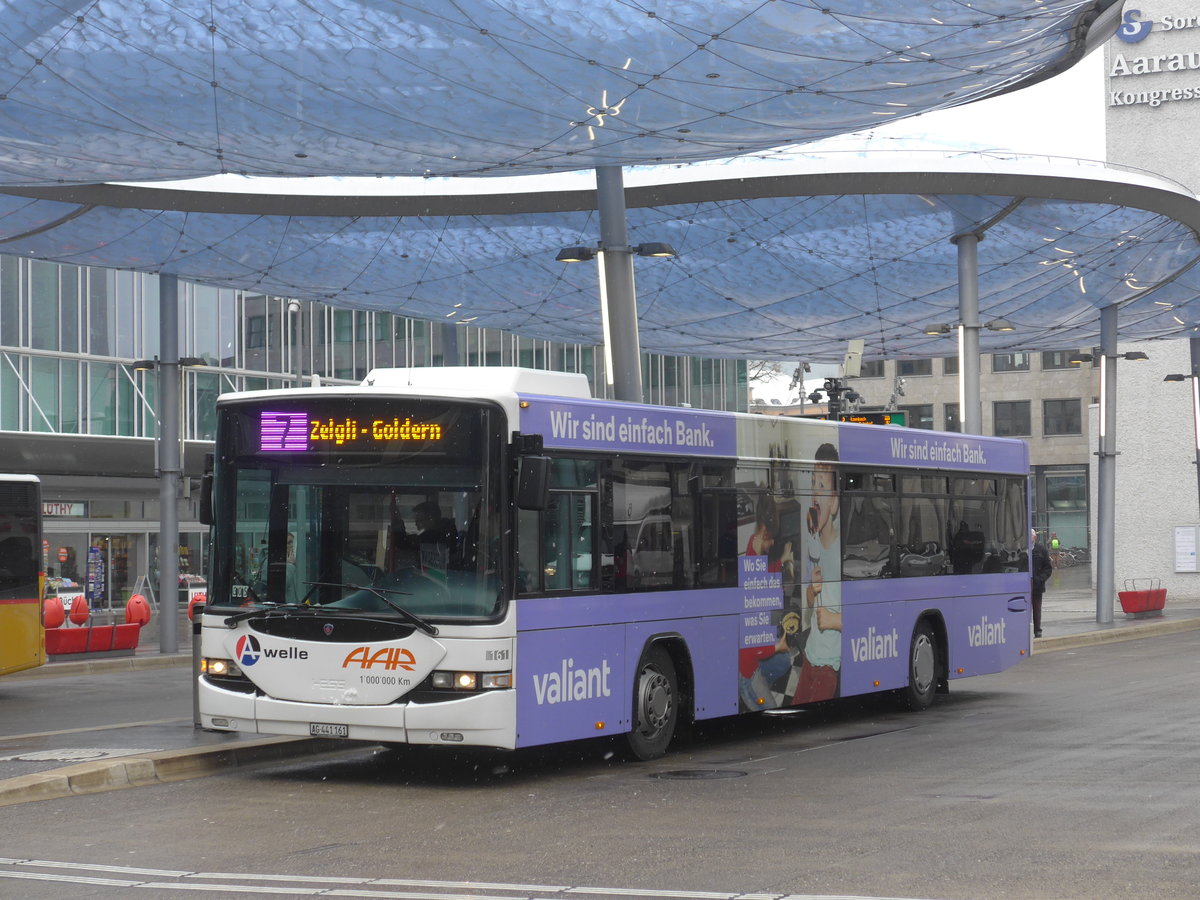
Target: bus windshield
(381, 507)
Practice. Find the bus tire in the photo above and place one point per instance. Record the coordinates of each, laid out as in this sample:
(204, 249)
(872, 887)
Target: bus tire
(655, 705)
(922, 669)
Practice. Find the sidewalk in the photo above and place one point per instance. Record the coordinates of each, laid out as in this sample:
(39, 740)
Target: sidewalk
(1068, 621)
(1069, 615)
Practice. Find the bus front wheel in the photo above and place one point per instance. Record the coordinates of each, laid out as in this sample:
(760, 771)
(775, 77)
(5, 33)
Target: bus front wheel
(922, 669)
(655, 705)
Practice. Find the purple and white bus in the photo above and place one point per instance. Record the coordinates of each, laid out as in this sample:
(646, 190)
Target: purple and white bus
(491, 557)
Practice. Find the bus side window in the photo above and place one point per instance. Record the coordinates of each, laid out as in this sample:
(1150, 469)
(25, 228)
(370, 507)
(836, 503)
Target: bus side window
(556, 547)
(568, 542)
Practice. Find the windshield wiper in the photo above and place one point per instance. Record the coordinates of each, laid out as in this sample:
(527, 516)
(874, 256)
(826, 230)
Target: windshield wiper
(266, 613)
(381, 593)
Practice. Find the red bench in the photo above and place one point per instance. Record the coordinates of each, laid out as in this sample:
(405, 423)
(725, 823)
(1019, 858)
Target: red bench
(96, 639)
(1144, 602)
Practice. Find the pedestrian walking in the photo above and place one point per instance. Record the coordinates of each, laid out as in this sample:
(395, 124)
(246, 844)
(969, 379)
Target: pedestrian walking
(1040, 572)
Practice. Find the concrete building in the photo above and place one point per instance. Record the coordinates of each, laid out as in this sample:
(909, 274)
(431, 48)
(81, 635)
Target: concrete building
(1152, 116)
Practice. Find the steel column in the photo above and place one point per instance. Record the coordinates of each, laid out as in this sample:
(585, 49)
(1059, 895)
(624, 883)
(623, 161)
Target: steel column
(1195, 348)
(970, 412)
(169, 469)
(618, 299)
(1107, 455)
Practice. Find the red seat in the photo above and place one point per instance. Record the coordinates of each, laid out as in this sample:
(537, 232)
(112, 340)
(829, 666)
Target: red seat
(66, 640)
(53, 614)
(79, 611)
(125, 637)
(137, 610)
(100, 638)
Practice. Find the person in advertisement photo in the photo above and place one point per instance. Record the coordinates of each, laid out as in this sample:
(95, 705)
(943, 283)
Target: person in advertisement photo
(796, 590)
(822, 654)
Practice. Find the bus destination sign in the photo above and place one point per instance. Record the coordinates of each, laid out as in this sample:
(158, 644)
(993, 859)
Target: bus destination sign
(896, 417)
(298, 432)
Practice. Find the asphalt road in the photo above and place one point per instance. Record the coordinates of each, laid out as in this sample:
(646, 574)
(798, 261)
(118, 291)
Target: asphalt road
(46, 723)
(1071, 776)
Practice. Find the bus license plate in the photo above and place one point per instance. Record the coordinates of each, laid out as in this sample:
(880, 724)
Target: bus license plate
(324, 729)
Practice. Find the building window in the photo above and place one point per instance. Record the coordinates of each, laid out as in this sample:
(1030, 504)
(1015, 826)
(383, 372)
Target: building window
(950, 410)
(919, 416)
(871, 369)
(256, 332)
(1010, 362)
(909, 367)
(1010, 418)
(950, 365)
(1057, 359)
(1062, 417)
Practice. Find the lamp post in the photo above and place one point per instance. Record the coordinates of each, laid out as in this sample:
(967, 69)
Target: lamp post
(168, 442)
(294, 367)
(618, 297)
(1106, 455)
(970, 411)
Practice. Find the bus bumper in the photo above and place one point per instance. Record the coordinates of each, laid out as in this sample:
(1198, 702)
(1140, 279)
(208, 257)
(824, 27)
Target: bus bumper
(482, 720)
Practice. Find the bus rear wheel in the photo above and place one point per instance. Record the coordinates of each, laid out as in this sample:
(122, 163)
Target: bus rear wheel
(655, 705)
(922, 669)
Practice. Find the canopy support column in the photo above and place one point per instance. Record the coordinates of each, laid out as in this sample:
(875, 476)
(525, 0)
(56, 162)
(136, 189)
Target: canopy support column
(618, 297)
(169, 468)
(1195, 348)
(1107, 455)
(969, 410)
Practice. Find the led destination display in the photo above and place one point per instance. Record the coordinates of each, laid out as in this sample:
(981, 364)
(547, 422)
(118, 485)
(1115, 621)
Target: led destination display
(375, 430)
(298, 431)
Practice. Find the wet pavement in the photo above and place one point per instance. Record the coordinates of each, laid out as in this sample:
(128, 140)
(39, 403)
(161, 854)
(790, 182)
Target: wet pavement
(86, 725)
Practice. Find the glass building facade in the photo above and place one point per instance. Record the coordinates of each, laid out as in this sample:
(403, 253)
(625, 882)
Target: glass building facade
(75, 412)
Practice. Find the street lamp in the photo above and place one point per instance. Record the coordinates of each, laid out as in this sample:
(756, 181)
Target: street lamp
(618, 301)
(1078, 358)
(654, 250)
(969, 406)
(169, 467)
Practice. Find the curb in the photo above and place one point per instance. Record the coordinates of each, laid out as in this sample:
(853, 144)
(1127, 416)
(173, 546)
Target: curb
(101, 665)
(162, 767)
(1114, 634)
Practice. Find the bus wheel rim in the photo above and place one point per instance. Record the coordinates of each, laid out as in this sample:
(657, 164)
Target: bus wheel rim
(923, 658)
(655, 702)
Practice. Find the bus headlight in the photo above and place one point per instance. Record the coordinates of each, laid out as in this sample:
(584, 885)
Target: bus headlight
(219, 667)
(470, 681)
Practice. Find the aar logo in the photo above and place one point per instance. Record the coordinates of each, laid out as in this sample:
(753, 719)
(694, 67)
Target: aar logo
(1132, 28)
(248, 650)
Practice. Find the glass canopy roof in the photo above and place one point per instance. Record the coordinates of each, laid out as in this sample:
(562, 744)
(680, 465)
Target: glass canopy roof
(775, 266)
(769, 267)
(171, 89)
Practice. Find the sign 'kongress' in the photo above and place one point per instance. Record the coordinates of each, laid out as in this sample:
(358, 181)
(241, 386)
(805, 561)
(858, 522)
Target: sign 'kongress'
(1135, 28)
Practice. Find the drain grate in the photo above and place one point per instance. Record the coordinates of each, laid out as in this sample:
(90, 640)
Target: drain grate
(78, 754)
(698, 774)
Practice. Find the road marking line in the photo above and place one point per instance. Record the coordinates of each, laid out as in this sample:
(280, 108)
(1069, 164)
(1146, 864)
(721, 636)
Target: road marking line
(300, 885)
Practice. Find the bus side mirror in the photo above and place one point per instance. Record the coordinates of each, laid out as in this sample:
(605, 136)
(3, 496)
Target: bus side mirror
(533, 482)
(205, 512)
